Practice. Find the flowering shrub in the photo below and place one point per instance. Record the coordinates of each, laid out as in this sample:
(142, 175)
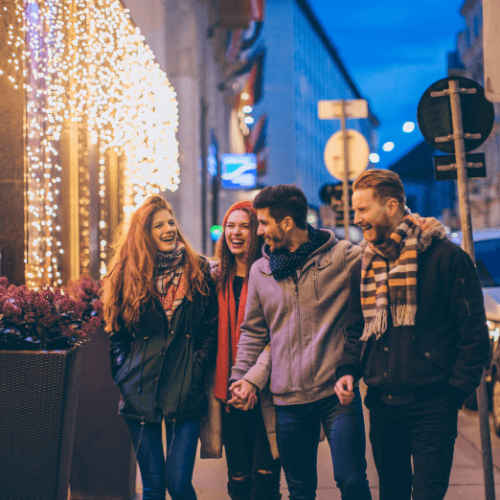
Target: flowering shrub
(43, 319)
(87, 290)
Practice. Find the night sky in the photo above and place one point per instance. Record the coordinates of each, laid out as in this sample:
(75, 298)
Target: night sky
(393, 49)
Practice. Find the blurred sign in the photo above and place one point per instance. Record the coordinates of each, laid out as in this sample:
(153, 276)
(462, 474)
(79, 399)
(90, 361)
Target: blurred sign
(434, 115)
(445, 167)
(331, 110)
(239, 171)
(491, 41)
(358, 152)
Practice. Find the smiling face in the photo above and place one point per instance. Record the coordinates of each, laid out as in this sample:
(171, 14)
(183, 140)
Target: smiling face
(237, 232)
(373, 216)
(164, 231)
(272, 232)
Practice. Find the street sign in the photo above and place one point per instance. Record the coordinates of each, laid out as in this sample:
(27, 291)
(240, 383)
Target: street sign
(435, 119)
(239, 171)
(445, 167)
(491, 41)
(332, 110)
(358, 153)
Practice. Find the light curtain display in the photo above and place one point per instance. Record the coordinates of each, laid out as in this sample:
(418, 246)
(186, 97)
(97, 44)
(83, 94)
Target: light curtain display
(85, 67)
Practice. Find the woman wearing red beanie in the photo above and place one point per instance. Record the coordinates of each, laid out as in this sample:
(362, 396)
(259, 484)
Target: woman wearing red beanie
(248, 436)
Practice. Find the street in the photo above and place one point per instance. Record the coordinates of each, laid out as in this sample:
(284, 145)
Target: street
(466, 482)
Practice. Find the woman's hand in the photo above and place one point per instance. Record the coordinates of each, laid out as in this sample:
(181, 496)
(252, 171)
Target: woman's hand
(244, 395)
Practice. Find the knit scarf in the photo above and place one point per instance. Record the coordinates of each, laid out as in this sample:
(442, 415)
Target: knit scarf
(229, 335)
(382, 284)
(284, 264)
(170, 280)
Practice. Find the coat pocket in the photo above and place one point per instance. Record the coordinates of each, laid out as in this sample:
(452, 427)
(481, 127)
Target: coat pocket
(431, 352)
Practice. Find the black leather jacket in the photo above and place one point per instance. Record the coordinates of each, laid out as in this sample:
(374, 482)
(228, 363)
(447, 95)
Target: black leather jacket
(160, 367)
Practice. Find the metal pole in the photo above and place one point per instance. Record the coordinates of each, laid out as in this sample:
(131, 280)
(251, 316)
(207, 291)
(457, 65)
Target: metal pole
(465, 216)
(345, 181)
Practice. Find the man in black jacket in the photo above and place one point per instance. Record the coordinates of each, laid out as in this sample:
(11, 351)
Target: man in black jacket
(424, 340)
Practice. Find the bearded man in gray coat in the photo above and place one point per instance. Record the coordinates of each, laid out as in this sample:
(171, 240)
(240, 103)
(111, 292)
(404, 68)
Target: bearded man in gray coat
(298, 297)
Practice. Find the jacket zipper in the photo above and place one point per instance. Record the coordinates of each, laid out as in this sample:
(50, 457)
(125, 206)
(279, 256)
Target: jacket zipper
(316, 288)
(300, 337)
(161, 367)
(183, 380)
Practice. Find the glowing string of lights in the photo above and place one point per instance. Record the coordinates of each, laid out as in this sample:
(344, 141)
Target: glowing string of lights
(84, 61)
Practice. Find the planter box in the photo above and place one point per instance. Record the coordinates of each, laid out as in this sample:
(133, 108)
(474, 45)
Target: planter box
(38, 401)
(104, 465)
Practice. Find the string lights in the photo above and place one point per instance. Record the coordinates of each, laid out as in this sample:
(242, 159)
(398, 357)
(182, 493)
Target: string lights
(84, 62)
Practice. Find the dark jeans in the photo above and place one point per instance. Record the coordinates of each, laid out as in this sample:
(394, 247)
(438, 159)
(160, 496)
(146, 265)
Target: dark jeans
(298, 431)
(253, 474)
(425, 430)
(177, 472)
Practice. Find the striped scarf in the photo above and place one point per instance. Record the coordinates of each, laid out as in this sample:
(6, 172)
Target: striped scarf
(170, 280)
(383, 284)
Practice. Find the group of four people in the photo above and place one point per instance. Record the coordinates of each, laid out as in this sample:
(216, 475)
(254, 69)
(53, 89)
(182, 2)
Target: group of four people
(291, 318)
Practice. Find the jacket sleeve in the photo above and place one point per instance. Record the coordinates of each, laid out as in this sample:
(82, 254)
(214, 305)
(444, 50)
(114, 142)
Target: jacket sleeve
(350, 361)
(207, 350)
(120, 347)
(260, 372)
(467, 307)
(254, 332)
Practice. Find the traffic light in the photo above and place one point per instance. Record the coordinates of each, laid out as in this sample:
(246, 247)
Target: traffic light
(331, 194)
(216, 232)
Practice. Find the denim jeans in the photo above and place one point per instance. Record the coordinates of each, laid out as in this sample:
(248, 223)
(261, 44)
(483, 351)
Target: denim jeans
(425, 430)
(298, 431)
(253, 474)
(176, 473)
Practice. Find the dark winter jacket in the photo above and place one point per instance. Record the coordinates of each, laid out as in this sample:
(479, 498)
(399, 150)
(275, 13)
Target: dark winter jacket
(160, 367)
(447, 348)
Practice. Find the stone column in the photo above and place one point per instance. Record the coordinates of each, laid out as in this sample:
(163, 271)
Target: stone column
(183, 68)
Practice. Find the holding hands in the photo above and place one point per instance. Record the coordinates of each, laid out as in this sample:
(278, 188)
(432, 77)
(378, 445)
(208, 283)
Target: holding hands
(244, 395)
(344, 388)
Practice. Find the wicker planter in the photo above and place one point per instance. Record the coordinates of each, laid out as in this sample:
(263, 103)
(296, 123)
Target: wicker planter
(104, 465)
(38, 400)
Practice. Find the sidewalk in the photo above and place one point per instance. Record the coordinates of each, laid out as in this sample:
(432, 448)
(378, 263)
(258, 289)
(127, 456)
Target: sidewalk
(466, 482)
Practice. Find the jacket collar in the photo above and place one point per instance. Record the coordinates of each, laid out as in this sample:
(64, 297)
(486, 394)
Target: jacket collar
(320, 256)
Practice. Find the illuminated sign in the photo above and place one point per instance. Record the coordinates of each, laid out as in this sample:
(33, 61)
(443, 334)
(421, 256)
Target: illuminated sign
(239, 171)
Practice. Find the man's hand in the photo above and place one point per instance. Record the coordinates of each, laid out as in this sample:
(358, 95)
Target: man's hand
(344, 389)
(244, 395)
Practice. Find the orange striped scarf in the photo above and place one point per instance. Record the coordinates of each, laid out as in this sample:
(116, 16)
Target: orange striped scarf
(383, 284)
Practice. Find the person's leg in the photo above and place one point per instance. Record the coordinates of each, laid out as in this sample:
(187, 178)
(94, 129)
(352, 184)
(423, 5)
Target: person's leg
(238, 435)
(433, 428)
(345, 430)
(182, 441)
(266, 472)
(148, 447)
(391, 446)
(297, 434)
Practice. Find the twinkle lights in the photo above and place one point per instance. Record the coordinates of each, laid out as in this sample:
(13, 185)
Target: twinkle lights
(84, 61)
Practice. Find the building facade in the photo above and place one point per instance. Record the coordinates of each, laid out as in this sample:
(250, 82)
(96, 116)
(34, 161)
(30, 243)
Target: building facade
(467, 61)
(302, 67)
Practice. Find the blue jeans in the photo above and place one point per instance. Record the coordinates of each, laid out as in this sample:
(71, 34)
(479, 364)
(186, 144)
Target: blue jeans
(297, 433)
(177, 472)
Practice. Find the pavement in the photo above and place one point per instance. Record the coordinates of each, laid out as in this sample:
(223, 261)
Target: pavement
(466, 481)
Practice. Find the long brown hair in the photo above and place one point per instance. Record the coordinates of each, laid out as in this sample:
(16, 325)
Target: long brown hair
(227, 261)
(129, 284)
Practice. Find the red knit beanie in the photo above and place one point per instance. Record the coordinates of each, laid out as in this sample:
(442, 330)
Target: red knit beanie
(238, 206)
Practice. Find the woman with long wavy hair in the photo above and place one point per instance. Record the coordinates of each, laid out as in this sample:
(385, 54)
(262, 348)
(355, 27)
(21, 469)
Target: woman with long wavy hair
(247, 430)
(161, 313)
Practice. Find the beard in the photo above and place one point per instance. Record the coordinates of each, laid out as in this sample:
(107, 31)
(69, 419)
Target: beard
(383, 230)
(281, 242)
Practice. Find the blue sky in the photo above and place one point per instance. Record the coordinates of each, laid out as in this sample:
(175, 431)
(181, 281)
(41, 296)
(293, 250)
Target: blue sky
(393, 49)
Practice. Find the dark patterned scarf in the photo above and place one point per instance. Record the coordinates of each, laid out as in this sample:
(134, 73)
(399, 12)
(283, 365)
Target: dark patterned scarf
(283, 264)
(170, 280)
